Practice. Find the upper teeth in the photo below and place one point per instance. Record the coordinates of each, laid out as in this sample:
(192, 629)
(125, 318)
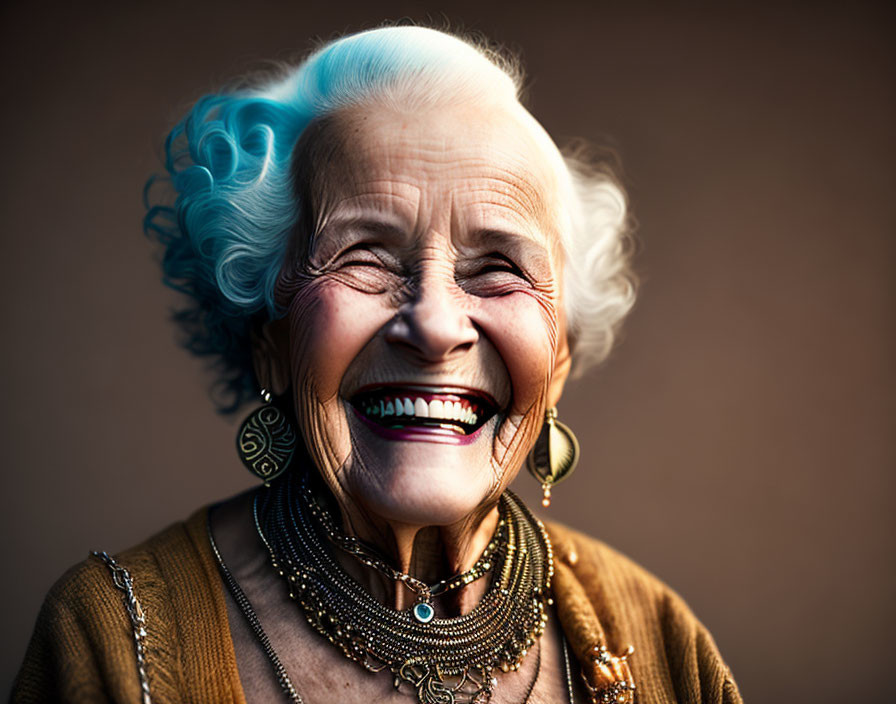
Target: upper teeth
(420, 408)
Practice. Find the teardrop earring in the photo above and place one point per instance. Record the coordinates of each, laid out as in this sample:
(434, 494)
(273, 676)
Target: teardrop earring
(266, 441)
(554, 456)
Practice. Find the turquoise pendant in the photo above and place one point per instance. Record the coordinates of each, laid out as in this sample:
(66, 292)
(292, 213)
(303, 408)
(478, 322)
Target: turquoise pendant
(423, 612)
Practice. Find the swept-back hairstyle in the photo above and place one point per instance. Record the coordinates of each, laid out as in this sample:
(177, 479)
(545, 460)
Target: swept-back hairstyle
(236, 205)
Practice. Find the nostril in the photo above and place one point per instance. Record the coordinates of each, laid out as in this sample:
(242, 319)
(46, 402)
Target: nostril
(432, 330)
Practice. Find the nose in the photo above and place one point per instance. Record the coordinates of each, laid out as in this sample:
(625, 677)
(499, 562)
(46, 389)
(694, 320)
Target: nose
(433, 325)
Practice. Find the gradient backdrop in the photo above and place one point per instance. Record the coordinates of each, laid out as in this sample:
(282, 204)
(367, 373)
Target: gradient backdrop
(740, 441)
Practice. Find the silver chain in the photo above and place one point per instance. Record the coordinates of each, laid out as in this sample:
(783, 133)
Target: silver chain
(121, 578)
(239, 596)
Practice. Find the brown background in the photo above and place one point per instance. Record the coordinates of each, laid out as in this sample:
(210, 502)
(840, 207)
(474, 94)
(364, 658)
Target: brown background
(739, 442)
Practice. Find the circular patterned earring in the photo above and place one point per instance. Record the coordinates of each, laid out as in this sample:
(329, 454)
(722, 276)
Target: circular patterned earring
(554, 456)
(266, 441)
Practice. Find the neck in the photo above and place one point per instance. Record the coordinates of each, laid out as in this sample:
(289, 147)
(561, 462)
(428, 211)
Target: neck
(427, 553)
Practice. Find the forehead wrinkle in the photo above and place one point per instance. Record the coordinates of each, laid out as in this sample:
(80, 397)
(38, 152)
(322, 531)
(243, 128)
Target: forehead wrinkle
(513, 179)
(527, 200)
(512, 191)
(383, 200)
(515, 188)
(510, 169)
(376, 200)
(512, 204)
(423, 152)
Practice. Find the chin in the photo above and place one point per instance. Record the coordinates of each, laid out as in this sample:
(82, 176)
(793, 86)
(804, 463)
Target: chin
(423, 483)
(432, 498)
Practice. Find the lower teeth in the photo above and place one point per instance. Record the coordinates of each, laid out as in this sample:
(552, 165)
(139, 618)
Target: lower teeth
(443, 426)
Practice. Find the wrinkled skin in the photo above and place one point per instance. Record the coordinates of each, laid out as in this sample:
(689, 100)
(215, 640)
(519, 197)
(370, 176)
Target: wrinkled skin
(434, 260)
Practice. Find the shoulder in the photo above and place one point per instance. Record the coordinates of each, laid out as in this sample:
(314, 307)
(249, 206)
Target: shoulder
(675, 656)
(601, 565)
(159, 563)
(616, 584)
(83, 647)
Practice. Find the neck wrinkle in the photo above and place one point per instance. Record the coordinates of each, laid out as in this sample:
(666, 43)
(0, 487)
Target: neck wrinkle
(428, 553)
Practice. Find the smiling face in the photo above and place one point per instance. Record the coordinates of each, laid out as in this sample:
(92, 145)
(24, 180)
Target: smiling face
(424, 323)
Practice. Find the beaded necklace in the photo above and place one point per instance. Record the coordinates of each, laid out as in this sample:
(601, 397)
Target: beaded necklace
(422, 610)
(445, 660)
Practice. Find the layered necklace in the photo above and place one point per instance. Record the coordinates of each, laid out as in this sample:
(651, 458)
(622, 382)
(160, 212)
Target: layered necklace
(445, 660)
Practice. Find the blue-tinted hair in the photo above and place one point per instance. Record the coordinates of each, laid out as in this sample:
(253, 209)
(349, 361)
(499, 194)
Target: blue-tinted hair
(236, 204)
(236, 207)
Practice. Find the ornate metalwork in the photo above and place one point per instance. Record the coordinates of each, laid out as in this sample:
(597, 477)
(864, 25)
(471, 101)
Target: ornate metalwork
(121, 578)
(266, 442)
(554, 456)
(611, 680)
(445, 660)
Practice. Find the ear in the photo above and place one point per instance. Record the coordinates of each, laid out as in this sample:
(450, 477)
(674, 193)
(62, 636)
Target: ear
(562, 365)
(270, 355)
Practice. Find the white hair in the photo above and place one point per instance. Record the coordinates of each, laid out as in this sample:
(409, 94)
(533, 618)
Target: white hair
(410, 68)
(599, 284)
(230, 160)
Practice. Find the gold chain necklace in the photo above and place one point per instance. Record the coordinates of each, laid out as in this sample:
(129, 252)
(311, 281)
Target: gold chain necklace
(422, 610)
(446, 661)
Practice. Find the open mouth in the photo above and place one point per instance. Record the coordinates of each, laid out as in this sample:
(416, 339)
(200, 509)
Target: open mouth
(419, 409)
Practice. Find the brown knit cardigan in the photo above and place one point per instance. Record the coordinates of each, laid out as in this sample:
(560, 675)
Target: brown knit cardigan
(82, 649)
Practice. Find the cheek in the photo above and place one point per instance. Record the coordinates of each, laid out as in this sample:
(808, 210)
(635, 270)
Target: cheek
(524, 329)
(329, 325)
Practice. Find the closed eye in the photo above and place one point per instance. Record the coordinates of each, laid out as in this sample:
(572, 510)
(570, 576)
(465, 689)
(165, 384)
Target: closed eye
(360, 254)
(494, 274)
(499, 262)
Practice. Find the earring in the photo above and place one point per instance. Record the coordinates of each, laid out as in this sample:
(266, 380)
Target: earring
(554, 456)
(266, 441)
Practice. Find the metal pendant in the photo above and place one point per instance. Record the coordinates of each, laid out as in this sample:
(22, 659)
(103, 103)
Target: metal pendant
(266, 442)
(435, 687)
(555, 454)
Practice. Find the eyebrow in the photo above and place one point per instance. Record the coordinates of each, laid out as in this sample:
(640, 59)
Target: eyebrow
(490, 235)
(535, 252)
(378, 226)
(362, 222)
(528, 253)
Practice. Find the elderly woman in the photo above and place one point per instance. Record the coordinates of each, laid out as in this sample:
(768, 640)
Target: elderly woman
(389, 247)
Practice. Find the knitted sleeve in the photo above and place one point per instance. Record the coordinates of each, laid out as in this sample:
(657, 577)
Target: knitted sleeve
(699, 674)
(81, 649)
(603, 598)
